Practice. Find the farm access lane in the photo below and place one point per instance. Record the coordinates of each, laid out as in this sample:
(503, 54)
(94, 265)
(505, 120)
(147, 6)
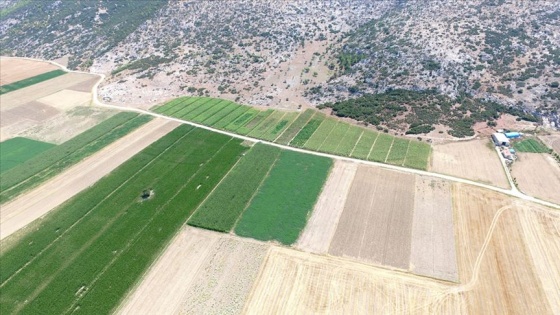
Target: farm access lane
(32, 205)
(510, 192)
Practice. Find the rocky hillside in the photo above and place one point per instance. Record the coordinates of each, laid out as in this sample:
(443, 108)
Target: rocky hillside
(448, 56)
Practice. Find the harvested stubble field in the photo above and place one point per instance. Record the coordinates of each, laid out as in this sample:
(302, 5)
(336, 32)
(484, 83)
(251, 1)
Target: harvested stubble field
(553, 141)
(475, 159)
(538, 175)
(321, 226)
(85, 256)
(14, 69)
(376, 223)
(200, 272)
(507, 253)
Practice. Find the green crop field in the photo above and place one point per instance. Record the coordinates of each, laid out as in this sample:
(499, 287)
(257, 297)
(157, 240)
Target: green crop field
(295, 127)
(418, 155)
(85, 256)
(226, 110)
(203, 107)
(16, 151)
(381, 148)
(346, 146)
(211, 112)
(307, 131)
(280, 209)
(363, 147)
(253, 123)
(273, 133)
(225, 204)
(398, 151)
(266, 124)
(335, 138)
(30, 81)
(242, 120)
(229, 118)
(530, 145)
(322, 133)
(53, 161)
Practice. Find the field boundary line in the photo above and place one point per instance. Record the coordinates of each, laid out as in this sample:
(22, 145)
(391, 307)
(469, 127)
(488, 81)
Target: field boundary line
(328, 135)
(356, 144)
(306, 122)
(372, 146)
(406, 154)
(342, 139)
(389, 151)
(288, 127)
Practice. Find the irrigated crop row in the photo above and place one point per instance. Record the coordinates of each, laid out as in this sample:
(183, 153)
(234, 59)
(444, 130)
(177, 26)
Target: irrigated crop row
(309, 129)
(53, 161)
(88, 254)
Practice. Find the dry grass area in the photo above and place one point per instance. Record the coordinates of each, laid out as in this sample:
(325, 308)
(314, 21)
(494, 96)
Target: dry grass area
(66, 99)
(200, 272)
(553, 141)
(507, 253)
(433, 240)
(13, 70)
(506, 121)
(538, 175)
(476, 160)
(321, 227)
(376, 223)
(39, 201)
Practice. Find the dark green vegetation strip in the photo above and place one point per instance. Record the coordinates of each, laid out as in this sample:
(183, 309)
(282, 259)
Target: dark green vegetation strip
(18, 150)
(30, 81)
(222, 208)
(295, 127)
(280, 209)
(53, 161)
(307, 131)
(89, 253)
(530, 145)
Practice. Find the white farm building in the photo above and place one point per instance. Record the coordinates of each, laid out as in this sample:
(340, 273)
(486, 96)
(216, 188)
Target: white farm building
(500, 139)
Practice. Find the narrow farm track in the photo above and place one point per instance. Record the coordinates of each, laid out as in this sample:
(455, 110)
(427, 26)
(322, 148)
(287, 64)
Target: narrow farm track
(39, 201)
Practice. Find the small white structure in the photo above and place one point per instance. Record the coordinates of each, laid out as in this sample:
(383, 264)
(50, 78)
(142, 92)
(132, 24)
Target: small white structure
(500, 139)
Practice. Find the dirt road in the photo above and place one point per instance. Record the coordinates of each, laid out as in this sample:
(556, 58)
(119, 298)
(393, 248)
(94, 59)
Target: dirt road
(38, 202)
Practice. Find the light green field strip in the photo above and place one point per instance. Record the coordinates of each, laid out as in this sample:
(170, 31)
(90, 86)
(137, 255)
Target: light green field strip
(398, 151)
(201, 109)
(253, 123)
(381, 148)
(185, 108)
(167, 107)
(242, 120)
(322, 133)
(186, 103)
(229, 108)
(266, 124)
(295, 127)
(277, 130)
(418, 155)
(349, 141)
(364, 145)
(308, 130)
(336, 136)
(218, 107)
(229, 118)
(17, 150)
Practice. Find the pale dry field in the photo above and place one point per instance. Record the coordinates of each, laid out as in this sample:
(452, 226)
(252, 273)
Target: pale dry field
(376, 223)
(34, 204)
(66, 99)
(474, 160)
(538, 175)
(508, 253)
(200, 272)
(432, 251)
(553, 141)
(320, 228)
(13, 69)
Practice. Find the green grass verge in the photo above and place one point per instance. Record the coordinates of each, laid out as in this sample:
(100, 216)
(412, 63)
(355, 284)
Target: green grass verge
(280, 209)
(30, 81)
(224, 205)
(306, 132)
(398, 151)
(16, 151)
(319, 136)
(530, 145)
(381, 148)
(53, 161)
(363, 147)
(107, 238)
(295, 127)
(418, 155)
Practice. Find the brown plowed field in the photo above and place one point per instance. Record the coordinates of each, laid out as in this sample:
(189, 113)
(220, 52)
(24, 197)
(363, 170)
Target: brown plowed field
(36, 203)
(538, 175)
(474, 159)
(200, 272)
(12, 70)
(507, 252)
(320, 228)
(433, 240)
(293, 282)
(376, 223)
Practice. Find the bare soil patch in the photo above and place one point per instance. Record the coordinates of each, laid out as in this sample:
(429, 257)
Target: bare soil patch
(475, 159)
(518, 273)
(200, 272)
(35, 111)
(376, 223)
(538, 175)
(14, 69)
(320, 228)
(66, 99)
(38, 202)
(433, 239)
